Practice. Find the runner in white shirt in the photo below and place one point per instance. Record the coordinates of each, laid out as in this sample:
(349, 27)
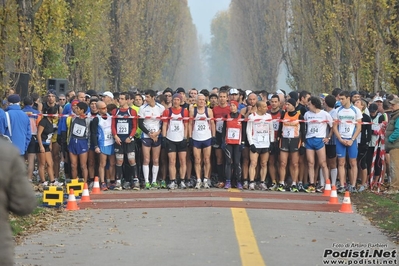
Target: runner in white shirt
(150, 136)
(260, 134)
(201, 133)
(347, 127)
(316, 137)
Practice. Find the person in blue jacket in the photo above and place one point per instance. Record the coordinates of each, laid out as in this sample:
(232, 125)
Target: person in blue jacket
(18, 127)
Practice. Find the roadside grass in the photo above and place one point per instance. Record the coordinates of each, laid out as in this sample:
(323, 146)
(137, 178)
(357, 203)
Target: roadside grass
(40, 219)
(381, 209)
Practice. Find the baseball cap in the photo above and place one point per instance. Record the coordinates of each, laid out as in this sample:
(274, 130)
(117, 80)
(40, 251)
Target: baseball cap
(74, 102)
(180, 89)
(394, 101)
(51, 91)
(353, 93)
(378, 98)
(107, 93)
(373, 108)
(233, 91)
(213, 95)
(14, 98)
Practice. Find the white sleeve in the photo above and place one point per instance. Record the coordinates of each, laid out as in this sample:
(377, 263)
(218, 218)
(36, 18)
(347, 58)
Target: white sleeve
(271, 129)
(249, 129)
(140, 113)
(330, 119)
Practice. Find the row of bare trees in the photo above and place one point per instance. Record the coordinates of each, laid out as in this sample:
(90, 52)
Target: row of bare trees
(102, 44)
(352, 44)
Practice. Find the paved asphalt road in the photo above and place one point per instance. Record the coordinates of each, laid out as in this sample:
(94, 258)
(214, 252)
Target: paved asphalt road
(203, 236)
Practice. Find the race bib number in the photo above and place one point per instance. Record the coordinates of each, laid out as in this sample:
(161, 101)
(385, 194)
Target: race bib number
(122, 128)
(201, 127)
(346, 130)
(275, 125)
(261, 138)
(219, 126)
(288, 132)
(233, 133)
(314, 129)
(48, 140)
(175, 126)
(79, 130)
(108, 134)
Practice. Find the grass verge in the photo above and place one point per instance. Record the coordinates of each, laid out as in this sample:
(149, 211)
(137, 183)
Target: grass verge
(40, 219)
(381, 209)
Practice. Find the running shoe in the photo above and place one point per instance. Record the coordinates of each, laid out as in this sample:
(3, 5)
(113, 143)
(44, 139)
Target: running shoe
(319, 189)
(198, 185)
(182, 185)
(245, 186)
(206, 185)
(136, 184)
(126, 185)
(189, 184)
(294, 188)
(273, 187)
(57, 183)
(227, 185)
(154, 185)
(252, 186)
(262, 186)
(147, 185)
(118, 186)
(111, 186)
(362, 188)
(311, 189)
(163, 184)
(341, 189)
(281, 188)
(239, 185)
(104, 186)
(301, 188)
(172, 185)
(220, 185)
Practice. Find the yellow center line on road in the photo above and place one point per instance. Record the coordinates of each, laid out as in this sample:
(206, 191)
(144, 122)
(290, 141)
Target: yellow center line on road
(249, 250)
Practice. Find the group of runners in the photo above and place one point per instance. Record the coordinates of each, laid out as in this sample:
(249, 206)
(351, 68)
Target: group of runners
(223, 138)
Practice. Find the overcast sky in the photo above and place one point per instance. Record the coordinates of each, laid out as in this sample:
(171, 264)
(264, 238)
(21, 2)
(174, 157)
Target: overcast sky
(202, 12)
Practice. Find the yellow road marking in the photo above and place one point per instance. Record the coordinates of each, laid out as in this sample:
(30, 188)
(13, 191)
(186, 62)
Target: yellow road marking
(249, 250)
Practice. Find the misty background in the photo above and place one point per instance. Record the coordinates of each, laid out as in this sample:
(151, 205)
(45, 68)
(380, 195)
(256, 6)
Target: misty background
(202, 13)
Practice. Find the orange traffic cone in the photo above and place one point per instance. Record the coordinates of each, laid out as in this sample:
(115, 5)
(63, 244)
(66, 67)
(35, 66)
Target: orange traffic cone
(96, 187)
(72, 205)
(85, 195)
(333, 196)
(327, 188)
(346, 206)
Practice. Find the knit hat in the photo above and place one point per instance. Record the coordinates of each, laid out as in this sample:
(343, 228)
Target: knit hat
(234, 102)
(292, 101)
(14, 98)
(177, 95)
(293, 95)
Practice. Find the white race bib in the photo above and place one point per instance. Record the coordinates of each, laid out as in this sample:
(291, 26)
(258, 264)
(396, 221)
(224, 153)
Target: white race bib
(175, 126)
(122, 128)
(346, 130)
(219, 126)
(288, 132)
(233, 133)
(48, 140)
(79, 130)
(313, 128)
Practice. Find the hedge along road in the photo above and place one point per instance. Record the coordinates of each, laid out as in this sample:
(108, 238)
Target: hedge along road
(212, 227)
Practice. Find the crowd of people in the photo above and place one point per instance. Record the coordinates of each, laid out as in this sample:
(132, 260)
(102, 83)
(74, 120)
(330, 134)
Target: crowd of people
(221, 138)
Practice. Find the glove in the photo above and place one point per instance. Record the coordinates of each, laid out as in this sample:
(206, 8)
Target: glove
(302, 150)
(242, 146)
(213, 141)
(223, 146)
(163, 143)
(253, 148)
